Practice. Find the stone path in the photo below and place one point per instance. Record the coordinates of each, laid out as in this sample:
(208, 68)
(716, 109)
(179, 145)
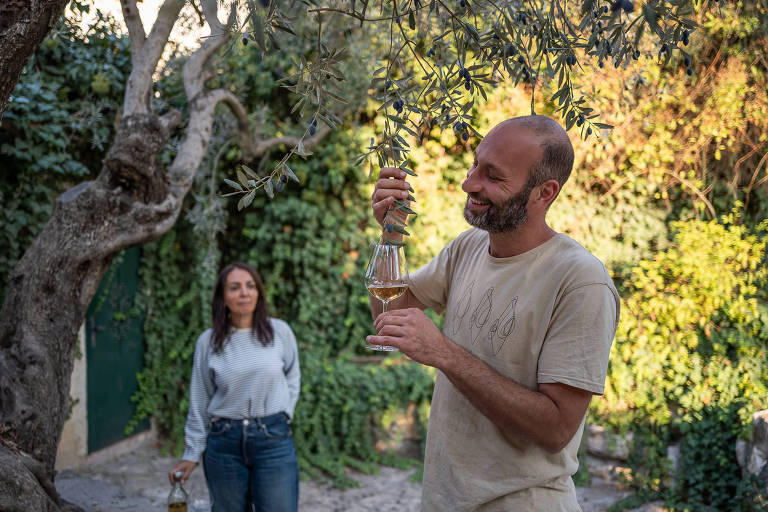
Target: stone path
(137, 481)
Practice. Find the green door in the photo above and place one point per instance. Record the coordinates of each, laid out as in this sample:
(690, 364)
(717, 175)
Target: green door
(114, 353)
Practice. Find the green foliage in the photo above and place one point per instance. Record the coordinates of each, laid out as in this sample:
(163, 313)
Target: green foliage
(56, 129)
(709, 474)
(174, 317)
(690, 145)
(334, 421)
(688, 359)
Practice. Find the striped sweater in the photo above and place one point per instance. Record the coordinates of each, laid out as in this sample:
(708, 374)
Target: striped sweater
(245, 380)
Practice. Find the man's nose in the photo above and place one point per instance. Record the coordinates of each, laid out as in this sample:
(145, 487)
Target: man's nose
(470, 183)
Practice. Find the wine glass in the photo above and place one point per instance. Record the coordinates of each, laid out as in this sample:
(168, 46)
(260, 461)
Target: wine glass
(385, 277)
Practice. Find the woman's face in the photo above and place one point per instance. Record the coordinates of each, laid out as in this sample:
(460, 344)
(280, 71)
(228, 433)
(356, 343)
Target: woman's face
(240, 293)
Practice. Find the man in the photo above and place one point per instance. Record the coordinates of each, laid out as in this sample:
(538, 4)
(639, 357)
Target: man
(529, 320)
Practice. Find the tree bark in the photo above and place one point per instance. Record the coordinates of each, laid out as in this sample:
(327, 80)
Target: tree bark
(23, 26)
(52, 285)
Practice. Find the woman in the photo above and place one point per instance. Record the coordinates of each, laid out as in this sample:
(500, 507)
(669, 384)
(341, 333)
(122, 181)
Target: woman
(244, 387)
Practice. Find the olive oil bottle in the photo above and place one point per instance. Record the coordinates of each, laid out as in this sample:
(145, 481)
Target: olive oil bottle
(177, 499)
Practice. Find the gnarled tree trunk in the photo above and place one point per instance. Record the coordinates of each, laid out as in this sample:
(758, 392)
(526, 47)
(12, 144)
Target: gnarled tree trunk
(52, 285)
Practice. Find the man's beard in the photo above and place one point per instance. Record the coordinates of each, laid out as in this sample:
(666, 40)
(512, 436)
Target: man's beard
(503, 218)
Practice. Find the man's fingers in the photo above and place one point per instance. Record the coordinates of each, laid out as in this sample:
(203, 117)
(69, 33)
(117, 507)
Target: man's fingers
(390, 329)
(390, 188)
(383, 204)
(396, 316)
(392, 320)
(390, 183)
(384, 340)
(391, 172)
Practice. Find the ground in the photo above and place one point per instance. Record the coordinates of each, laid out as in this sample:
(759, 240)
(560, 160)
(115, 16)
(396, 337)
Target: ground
(138, 480)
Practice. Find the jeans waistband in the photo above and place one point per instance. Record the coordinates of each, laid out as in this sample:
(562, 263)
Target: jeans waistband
(264, 420)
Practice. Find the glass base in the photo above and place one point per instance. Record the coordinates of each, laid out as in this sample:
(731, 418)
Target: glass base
(382, 348)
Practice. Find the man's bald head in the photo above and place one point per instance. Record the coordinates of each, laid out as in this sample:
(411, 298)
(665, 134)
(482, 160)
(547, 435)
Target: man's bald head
(557, 152)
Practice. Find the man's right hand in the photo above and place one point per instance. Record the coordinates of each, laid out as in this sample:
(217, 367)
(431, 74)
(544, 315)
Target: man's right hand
(390, 186)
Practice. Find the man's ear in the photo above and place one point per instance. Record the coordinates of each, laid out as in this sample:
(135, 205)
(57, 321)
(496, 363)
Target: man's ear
(546, 192)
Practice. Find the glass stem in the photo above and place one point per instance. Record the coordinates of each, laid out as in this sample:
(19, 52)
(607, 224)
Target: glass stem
(384, 306)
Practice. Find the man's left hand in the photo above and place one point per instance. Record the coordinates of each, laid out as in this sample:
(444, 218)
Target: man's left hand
(414, 334)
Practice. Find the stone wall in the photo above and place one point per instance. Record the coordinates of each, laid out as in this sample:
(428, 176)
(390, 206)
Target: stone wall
(753, 454)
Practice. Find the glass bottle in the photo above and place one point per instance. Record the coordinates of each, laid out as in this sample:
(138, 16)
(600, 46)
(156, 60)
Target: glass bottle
(177, 499)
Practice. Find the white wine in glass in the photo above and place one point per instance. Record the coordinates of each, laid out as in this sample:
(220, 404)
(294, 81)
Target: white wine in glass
(385, 278)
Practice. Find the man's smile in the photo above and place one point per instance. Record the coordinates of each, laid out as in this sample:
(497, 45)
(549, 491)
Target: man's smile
(477, 203)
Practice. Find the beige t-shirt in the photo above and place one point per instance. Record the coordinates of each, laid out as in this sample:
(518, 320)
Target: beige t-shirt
(547, 315)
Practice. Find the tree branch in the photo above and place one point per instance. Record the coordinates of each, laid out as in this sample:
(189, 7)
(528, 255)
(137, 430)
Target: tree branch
(136, 33)
(264, 145)
(139, 86)
(194, 72)
(211, 12)
(243, 123)
(171, 120)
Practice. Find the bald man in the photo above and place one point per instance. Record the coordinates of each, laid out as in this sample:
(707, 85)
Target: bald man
(530, 316)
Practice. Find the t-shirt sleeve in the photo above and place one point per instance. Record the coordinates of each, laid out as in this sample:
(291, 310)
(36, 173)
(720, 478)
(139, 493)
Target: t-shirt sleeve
(578, 341)
(431, 283)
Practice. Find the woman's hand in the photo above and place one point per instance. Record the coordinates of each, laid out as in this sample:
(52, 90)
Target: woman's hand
(185, 467)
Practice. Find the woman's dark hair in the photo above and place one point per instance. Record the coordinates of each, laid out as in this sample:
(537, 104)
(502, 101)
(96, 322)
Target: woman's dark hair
(261, 327)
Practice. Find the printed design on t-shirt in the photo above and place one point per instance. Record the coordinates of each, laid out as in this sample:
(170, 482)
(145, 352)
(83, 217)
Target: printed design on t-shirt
(480, 315)
(462, 308)
(499, 328)
(502, 327)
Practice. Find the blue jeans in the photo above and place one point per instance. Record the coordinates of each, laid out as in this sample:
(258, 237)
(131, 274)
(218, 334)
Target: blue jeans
(252, 465)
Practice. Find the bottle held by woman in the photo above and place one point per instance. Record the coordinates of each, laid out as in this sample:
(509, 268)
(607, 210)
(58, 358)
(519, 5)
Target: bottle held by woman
(177, 498)
(243, 391)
